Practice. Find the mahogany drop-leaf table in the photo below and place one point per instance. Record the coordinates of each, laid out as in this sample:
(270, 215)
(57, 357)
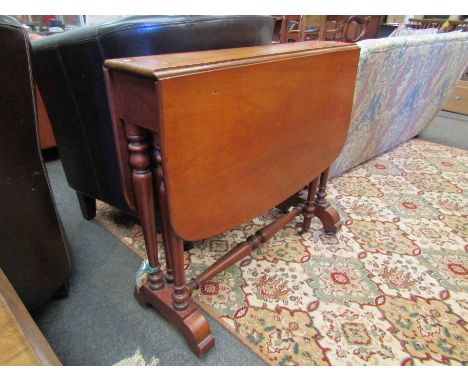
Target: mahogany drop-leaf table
(209, 140)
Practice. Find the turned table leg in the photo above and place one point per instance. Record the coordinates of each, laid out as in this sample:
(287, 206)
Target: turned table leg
(323, 210)
(180, 295)
(173, 300)
(310, 205)
(164, 213)
(142, 180)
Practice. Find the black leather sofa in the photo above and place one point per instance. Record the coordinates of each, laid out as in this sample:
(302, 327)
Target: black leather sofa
(68, 71)
(33, 250)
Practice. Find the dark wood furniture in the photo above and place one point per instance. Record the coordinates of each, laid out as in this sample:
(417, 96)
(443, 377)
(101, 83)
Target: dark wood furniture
(416, 23)
(298, 28)
(21, 342)
(455, 25)
(294, 28)
(283, 21)
(444, 25)
(349, 28)
(213, 139)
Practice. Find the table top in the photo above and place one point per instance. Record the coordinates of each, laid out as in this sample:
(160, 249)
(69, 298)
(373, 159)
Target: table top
(21, 342)
(163, 65)
(240, 130)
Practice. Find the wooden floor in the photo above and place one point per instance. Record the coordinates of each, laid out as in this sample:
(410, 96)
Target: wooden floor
(21, 342)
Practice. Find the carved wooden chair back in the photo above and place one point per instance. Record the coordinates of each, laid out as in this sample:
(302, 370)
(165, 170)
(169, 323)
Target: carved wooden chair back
(345, 28)
(296, 28)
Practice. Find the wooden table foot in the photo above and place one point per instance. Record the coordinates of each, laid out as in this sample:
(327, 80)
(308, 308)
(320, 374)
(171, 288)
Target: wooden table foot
(189, 321)
(323, 210)
(329, 217)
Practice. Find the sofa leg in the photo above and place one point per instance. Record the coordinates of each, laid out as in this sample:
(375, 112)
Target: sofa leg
(87, 206)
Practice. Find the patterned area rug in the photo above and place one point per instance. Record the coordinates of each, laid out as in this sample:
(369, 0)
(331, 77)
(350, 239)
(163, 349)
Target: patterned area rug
(389, 289)
(137, 360)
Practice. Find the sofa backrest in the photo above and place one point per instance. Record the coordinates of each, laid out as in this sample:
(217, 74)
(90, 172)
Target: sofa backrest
(402, 82)
(68, 70)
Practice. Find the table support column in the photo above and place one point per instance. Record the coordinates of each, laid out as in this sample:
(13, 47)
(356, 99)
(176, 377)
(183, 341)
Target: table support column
(164, 213)
(142, 180)
(173, 299)
(310, 205)
(323, 210)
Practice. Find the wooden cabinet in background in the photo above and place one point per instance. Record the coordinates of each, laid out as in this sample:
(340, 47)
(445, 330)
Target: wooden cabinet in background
(458, 101)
